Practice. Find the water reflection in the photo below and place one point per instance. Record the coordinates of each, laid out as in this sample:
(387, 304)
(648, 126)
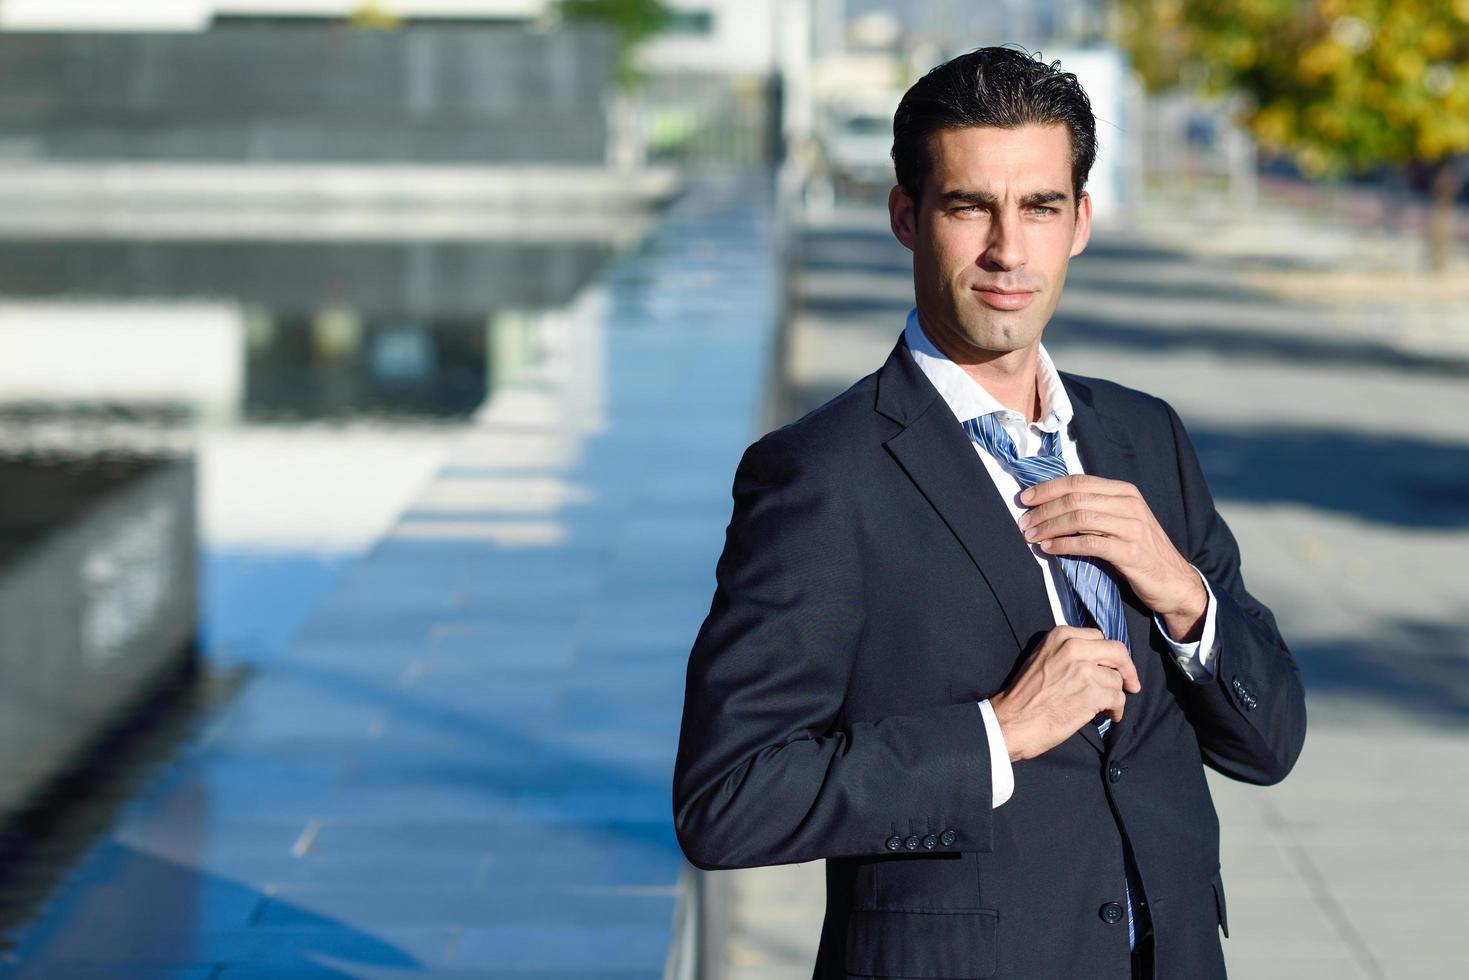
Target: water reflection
(300, 393)
(339, 364)
(319, 329)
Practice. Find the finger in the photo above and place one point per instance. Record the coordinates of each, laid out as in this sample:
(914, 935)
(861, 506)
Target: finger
(1109, 677)
(1085, 522)
(1074, 641)
(1075, 483)
(1086, 546)
(1115, 709)
(1115, 656)
(1130, 681)
(1079, 500)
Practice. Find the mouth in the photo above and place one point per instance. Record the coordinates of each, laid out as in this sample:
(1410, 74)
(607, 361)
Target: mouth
(1006, 299)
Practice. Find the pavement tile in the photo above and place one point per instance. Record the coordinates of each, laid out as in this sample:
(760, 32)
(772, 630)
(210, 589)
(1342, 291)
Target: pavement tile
(584, 946)
(368, 909)
(1284, 965)
(460, 763)
(110, 971)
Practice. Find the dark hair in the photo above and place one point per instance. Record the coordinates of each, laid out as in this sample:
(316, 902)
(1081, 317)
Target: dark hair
(1002, 87)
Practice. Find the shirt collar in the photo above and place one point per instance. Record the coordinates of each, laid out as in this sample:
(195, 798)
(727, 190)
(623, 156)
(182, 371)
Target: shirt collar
(967, 398)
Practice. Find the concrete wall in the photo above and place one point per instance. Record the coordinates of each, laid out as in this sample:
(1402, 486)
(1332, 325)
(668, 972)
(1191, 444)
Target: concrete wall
(97, 600)
(308, 93)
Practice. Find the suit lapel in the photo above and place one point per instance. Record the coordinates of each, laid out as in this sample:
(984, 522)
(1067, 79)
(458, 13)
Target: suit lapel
(939, 458)
(1106, 449)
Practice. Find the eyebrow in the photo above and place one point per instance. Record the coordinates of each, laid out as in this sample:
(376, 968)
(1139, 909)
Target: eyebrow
(988, 200)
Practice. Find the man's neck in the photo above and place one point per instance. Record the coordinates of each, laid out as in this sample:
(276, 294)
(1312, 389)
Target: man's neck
(1011, 377)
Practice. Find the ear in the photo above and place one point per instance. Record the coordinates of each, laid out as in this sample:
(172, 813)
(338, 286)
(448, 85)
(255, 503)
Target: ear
(1083, 231)
(903, 217)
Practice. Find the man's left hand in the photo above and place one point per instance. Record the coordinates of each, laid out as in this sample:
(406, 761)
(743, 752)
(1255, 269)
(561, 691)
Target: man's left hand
(1088, 516)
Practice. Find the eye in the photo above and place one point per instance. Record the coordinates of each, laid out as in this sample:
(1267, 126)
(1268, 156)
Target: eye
(1043, 209)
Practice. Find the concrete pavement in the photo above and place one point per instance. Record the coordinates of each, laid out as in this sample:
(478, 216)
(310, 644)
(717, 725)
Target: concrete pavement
(460, 765)
(1334, 438)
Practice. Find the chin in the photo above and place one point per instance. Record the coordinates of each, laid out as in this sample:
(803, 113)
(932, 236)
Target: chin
(1001, 338)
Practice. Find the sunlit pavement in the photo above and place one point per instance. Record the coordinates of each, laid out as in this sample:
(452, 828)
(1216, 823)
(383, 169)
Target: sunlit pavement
(1333, 435)
(460, 764)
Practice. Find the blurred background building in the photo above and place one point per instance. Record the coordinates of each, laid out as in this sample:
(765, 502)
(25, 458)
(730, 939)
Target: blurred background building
(372, 375)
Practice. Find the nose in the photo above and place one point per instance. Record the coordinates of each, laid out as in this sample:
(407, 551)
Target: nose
(1006, 247)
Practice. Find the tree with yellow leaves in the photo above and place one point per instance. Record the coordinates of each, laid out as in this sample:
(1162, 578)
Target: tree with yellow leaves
(1339, 85)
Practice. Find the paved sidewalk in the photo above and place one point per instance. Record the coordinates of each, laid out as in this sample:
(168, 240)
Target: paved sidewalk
(1340, 457)
(461, 764)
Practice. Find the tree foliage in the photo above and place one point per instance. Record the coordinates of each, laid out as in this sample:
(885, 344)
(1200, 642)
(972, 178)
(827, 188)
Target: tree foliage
(1338, 85)
(632, 22)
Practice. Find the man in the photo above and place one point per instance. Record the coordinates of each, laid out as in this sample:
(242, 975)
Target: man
(978, 625)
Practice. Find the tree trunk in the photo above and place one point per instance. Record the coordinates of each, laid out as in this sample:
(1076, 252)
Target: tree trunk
(1443, 217)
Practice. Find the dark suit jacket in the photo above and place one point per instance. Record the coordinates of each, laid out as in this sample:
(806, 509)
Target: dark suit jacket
(873, 587)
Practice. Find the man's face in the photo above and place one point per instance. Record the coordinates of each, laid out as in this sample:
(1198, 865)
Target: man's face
(992, 235)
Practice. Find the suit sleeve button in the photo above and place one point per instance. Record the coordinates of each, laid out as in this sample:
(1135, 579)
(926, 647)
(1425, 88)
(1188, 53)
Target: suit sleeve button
(947, 838)
(894, 842)
(1111, 913)
(930, 842)
(911, 843)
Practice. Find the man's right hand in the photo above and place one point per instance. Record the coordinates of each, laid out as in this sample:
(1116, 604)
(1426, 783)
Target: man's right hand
(1074, 675)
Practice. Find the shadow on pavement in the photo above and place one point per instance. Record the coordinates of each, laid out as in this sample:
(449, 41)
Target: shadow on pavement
(1386, 479)
(1414, 666)
(1234, 343)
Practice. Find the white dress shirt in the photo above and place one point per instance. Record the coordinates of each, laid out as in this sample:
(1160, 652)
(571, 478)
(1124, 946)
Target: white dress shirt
(968, 399)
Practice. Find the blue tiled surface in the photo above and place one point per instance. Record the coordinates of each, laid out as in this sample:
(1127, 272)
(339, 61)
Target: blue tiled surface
(459, 764)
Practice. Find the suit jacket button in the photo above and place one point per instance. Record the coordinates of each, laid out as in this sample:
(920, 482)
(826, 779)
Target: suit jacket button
(894, 842)
(1114, 772)
(1111, 913)
(947, 838)
(930, 842)
(911, 843)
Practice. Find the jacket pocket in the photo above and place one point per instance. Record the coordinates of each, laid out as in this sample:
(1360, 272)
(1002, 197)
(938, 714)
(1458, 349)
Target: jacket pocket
(923, 945)
(1219, 902)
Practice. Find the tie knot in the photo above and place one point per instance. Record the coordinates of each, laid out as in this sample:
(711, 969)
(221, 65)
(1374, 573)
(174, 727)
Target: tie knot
(987, 432)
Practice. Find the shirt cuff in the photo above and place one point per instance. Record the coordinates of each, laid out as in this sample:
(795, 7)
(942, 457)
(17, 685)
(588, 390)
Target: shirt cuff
(1002, 776)
(1196, 659)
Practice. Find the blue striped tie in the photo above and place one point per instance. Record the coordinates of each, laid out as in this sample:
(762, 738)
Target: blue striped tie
(1091, 585)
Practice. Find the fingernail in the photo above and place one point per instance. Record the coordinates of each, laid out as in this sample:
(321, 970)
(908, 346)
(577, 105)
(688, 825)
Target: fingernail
(1030, 535)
